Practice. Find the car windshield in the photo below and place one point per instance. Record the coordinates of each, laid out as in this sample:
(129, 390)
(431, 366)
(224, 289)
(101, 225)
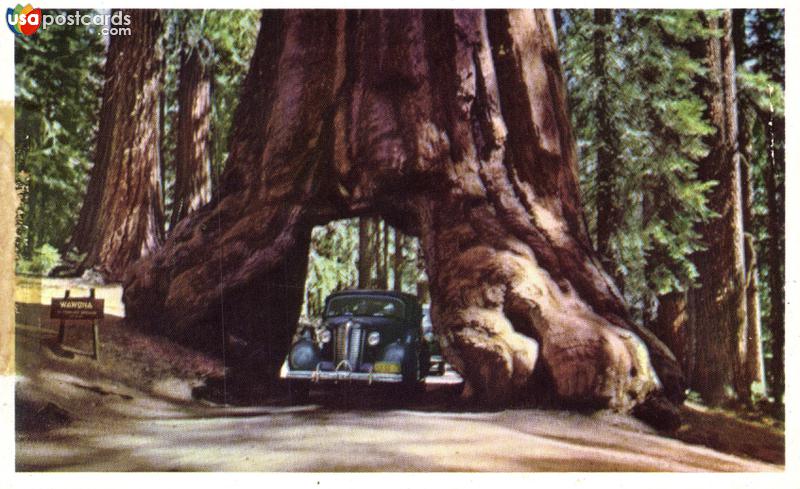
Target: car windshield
(366, 306)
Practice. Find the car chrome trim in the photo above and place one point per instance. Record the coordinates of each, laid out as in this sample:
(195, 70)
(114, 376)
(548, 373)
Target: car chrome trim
(317, 376)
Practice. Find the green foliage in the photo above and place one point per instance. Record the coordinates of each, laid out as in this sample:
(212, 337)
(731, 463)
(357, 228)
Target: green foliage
(761, 85)
(333, 263)
(760, 92)
(660, 126)
(59, 80)
(230, 36)
(44, 259)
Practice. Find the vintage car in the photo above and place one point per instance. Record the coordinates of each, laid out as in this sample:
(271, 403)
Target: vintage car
(366, 336)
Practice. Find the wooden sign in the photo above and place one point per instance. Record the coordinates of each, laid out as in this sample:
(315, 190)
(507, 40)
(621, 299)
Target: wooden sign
(77, 309)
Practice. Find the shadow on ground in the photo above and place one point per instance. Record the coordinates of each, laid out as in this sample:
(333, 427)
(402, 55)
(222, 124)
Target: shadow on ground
(137, 409)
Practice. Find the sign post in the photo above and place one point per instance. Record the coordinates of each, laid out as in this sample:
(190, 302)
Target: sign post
(78, 309)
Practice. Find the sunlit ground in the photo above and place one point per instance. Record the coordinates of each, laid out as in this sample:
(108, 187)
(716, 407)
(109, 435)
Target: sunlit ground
(134, 411)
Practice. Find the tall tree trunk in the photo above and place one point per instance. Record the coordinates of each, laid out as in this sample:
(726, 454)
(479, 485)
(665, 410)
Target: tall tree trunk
(399, 243)
(383, 254)
(609, 212)
(769, 53)
(122, 214)
(719, 314)
(365, 253)
(671, 327)
(192, 156)
(775, 229)
(753, 371)
(399, 113)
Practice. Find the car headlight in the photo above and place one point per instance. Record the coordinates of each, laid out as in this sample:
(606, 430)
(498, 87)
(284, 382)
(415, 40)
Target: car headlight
(325, 336)
(303, 356)
(374, 338)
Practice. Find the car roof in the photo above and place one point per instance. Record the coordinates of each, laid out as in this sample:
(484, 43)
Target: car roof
(390, 293)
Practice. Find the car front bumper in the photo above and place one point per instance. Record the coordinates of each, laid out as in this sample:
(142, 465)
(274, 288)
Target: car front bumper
(326, 376)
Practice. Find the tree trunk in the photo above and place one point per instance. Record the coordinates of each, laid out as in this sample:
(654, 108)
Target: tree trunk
(383, 255)
(122, 214)
(753, 371)
(609, 212)
(769, 52)
(399, 243)
(671, 327)
(192, 156)
(365, 256)
(775, 228)
(398, 113)
(719, 314)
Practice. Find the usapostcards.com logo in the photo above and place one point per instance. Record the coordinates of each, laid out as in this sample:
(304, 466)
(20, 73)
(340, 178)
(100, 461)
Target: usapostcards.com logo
(27, 20)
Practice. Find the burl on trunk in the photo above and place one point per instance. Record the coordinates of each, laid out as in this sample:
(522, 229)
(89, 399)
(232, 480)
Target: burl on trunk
(453, 127)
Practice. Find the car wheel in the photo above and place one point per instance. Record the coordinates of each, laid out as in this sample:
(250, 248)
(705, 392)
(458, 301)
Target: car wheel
(299, 391)
(412, 386)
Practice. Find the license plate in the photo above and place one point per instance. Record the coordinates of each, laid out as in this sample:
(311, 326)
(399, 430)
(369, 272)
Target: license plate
(387, 368)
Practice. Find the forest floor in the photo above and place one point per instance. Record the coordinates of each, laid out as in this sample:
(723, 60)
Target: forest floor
(134, 410)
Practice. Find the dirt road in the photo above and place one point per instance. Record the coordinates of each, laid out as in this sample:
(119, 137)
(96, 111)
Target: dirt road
(138, 432)
(134, 411)
(113, 428)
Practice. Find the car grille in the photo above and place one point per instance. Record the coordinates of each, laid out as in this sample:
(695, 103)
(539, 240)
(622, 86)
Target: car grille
(348, 343)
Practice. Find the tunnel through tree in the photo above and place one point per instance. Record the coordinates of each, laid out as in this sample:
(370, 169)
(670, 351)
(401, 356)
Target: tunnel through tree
(451, 126)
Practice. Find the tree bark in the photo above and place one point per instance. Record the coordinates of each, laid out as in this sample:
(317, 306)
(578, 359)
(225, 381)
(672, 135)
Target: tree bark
(121, 218)
(382, 256)
(753, 371)
(365, 253)
(609, 212)
(399, 243)
(192, 155)
(670, 325)
(452, 126)
(769, 52)
(775, 228)
(719, 311)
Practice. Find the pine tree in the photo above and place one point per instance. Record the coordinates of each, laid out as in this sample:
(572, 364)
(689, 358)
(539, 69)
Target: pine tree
(659, 122)
(767, 85)
(718, 309)
(59, 82)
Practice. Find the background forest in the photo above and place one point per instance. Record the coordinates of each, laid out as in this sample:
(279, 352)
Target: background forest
(637, 97)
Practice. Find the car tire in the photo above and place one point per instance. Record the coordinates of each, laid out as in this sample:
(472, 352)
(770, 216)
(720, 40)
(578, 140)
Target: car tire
(299, 391)
(412, 386)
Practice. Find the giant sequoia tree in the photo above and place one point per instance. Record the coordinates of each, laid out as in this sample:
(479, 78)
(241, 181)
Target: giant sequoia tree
(122, 214)
(192, 155)
(452, 126)
(718, 309)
